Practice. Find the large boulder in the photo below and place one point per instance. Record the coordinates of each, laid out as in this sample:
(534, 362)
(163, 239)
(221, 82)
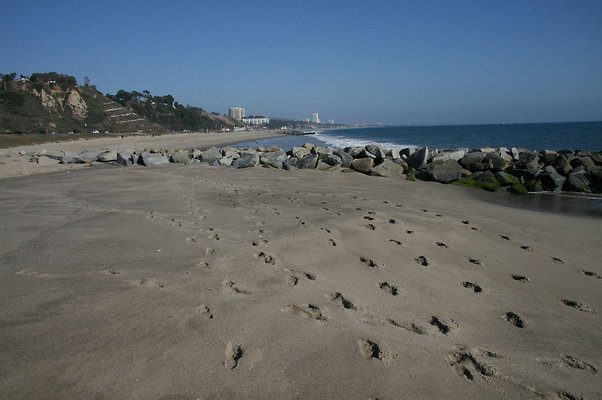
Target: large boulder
(290, 164)
(210, 155)
(378, 151)
(124, 159)
(552, 181)
(387, 168)
(44, 160)
(346, 158)
(72, 159)
(180, 157)
(494, 162)
(419, 158)
(562, 165)
(354, 151)
(107, 156)
(505, 179)
(274, 159)
(308, 162)
(89, 156)
(473, 161)
(333, 160)
(149, 159)
(448, 155)
(529, 160)
(300, 152)
(446, 171)
(362, 164)
(54, 154)
(578, 181)
(246, 161)
(549, 157)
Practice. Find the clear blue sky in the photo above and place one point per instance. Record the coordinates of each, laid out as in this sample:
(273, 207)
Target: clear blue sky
(351, 61)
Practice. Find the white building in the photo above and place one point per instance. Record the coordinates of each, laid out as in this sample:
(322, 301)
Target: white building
(315, 118)
(258, 120)
(237, 113)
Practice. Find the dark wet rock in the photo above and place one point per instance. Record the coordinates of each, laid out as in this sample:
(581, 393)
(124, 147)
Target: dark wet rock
(533, 185)
(529, 160)
(562, 165)
(333, 160)
(362, 164)
(308, 162)
(419, 158)
(505, 179)
(473, 161)
(495, 162)
(446, 171)
(549, 157)
(578, 180)
(525, 173)
(552, 181)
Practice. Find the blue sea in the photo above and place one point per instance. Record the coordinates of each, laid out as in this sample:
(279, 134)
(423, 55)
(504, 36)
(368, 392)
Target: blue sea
(535, 136)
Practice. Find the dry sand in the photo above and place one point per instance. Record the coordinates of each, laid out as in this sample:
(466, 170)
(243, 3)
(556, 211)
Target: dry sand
(198, 282)
(15, 162)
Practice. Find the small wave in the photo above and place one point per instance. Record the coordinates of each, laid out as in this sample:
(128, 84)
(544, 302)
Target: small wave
(344, 141)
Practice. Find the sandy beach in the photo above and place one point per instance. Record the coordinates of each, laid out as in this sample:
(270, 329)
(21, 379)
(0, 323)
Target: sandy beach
(197, 282)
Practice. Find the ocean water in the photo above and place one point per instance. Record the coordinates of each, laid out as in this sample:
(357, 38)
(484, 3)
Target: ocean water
(548, 136)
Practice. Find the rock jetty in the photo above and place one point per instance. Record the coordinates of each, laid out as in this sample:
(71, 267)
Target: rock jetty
(517, 170)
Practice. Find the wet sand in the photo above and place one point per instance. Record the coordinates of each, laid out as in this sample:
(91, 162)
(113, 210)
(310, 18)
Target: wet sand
(200, 282)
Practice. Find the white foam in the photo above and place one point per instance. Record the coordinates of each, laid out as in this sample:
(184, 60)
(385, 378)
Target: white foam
(344, 141)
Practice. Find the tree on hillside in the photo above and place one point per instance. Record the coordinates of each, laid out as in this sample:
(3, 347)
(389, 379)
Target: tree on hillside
(8, 78)
(86, 81)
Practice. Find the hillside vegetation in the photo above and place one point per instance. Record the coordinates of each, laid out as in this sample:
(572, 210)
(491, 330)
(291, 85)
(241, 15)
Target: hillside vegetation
(55, 103)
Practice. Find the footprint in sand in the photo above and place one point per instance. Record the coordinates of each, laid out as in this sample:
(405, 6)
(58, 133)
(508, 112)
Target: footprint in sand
(293, 279)
(422, 260)
(392, 221)
(567, 361)
(31, 272)
(368, 218)
(370, 263)
(504, 237)
(229, 286)
(233, 354)
(306, 311)
(475, 261)
(514, 319)
(371, 227)
(520, 278)
(578, 306)
(204, 311)
(466, 365)
(266, 258)
(332, 242)
(110, 272)
(388, 288)
(590, 273)
(372, 351)
(557, 260)
(408, 326)
(410, 232)
(527, 248)
(150, 283)
(397, 242)
(472, 286)
(442, 326)
(441, 244)
(339, 299)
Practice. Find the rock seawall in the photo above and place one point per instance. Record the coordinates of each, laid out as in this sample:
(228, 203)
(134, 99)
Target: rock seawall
(517, 170)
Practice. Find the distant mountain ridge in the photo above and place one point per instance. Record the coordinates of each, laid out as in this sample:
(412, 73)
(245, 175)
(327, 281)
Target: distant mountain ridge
(52, 102)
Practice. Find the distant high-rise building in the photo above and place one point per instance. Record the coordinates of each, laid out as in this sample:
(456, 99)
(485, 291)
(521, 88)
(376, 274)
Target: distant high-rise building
(236, 112)
(315, 118)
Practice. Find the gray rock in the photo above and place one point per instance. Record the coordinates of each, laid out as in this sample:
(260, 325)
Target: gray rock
(346, 158)
(290, 164)
(44, 160)
(401, 162)
(149, 159)
(54, 154)
(393, 153)
(495, 162)
(563, 166)
(107, 156)
(504, 153)
(322, 151)
(449, 155)
(578, 181)
(362, 164)
(210, 155)
(552, 181)
(366, 154)
(300, 152)
(597, 158)
(246, 161)
(419, 158)
(354, 151)
(378, 151)
(194, 161)
(529, 160)
(274, 159)
(387, 168)
(196, 153)
(310, 161)
(515, 153)
(89, 156)
(549, 157)
(225, 161)
(408, 151)
(72, 159)
(445, 171)
(333, 160)
(473, 161)
(525, 173)
(231, 152)
(124, 159)
(180, 157)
